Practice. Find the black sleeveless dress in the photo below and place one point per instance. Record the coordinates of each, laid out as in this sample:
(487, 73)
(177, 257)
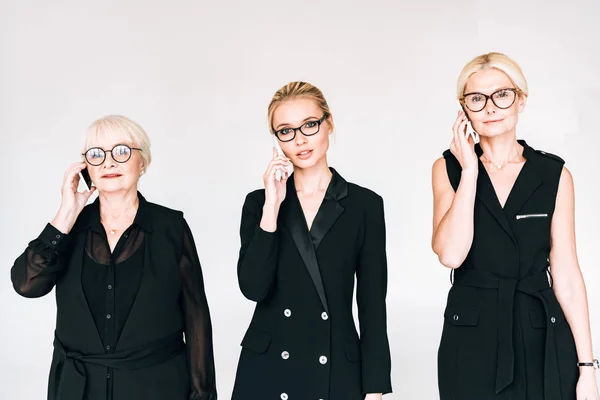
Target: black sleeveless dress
(505, 335)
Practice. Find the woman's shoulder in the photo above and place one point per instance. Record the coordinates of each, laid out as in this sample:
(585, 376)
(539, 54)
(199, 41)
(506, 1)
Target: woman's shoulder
(547, 157)
(363, 194)
(256, 197)
(163, 210)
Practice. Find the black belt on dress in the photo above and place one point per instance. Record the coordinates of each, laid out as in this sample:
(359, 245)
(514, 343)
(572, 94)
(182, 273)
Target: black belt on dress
(72, 379)
(507, 287)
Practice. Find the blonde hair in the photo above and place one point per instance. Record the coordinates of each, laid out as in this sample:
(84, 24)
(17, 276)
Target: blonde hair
(296, 90)
(498, 61)
(120, 129)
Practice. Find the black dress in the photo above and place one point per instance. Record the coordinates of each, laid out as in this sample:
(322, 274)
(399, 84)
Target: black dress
(121, 316)
(302, 342)
(505, 335)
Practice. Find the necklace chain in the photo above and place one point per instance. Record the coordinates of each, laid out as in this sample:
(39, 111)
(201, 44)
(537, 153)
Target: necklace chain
(500, 166)
(111, 230)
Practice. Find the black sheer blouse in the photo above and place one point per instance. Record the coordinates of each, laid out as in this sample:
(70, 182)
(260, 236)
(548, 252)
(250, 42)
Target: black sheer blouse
(111, 282)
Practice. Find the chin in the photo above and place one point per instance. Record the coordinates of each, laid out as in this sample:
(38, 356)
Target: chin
(305, 164)
(494, 131)
(112, 188)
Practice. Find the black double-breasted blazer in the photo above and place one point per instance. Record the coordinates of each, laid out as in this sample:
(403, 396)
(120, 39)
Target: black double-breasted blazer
(302, 342)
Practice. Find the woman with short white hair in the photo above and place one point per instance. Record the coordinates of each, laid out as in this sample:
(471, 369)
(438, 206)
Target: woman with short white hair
(128, 282)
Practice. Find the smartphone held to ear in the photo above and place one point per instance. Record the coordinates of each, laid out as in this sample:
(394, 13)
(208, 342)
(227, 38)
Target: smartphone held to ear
(279, 173)
(86, 178)
(469, 131)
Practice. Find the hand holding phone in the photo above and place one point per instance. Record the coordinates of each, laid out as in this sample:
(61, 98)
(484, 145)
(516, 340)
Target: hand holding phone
(290, 168)
(469, 131)
(460, 146)
(73, 201)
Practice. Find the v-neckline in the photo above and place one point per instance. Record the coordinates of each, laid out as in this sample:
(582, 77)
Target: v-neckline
(524, 154)
(309, 228)
(512, 189)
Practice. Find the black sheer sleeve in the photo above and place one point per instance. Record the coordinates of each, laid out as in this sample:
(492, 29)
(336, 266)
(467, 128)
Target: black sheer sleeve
(35, 272)
(198, 329)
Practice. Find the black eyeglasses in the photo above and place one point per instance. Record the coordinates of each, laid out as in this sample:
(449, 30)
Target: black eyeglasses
(309, 128)
(121, 153)
(503, 99)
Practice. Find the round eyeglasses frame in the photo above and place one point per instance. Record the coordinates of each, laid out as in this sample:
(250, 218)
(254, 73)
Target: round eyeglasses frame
(104, 152)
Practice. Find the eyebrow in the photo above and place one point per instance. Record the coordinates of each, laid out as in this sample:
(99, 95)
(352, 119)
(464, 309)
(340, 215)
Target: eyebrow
(287, 124)
(494, 91)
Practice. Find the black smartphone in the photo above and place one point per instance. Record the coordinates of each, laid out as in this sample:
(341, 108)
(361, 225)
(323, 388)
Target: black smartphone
(86, 178)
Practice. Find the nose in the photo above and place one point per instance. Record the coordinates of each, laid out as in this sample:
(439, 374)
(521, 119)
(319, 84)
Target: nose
(490, 107)
(109, 161)
(300, 138)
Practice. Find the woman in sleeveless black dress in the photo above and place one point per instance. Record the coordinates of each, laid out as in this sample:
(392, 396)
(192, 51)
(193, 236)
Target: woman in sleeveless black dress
(516, 324)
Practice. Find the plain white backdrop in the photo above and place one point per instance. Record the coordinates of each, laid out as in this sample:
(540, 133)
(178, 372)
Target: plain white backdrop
(198, 76)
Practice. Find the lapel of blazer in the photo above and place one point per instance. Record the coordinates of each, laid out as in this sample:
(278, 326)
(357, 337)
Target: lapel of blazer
(330, 209)
(306, 242)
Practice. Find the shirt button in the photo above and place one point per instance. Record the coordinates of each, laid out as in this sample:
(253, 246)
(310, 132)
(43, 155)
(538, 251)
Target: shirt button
(107, 376)
(108, 347)
(58, 236)
(553, 320)
(54, 242)
(287, 312)
(108, 316)
(109, 287)
(325, 316)
(284, 396)
(455, 317)
(323, 360)
(285, 355)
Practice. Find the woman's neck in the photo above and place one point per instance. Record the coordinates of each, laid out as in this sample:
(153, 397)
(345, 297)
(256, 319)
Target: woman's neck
(314, 179)
(500, 149)
(114, 206)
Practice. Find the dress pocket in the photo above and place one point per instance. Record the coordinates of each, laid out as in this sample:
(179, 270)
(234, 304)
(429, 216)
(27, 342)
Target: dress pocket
(540, 320)
(352, 351)
(256, 340)
(459, 316)
(526, 216)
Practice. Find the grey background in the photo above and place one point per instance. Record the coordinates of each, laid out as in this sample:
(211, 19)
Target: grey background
(198, 76)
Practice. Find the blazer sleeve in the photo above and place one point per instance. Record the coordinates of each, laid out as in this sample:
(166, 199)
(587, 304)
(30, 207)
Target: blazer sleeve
(257, 261)
(35, 272)
(371, 293)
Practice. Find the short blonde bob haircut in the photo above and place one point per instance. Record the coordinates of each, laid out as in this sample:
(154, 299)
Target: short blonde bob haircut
(119, 130)
(498, 61)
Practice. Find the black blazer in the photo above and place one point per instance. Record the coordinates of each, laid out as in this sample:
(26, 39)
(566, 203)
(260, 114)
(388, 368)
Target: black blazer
(302, 342)
(149, 360)
(505, 335)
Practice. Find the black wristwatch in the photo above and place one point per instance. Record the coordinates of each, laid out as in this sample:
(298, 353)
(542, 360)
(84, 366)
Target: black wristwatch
(594, 364)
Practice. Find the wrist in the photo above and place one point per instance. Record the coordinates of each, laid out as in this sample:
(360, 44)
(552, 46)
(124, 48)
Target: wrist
(270, 208)
(587, 371)
(470, 172)
(63, 221)
(588, 366)
(268, 221)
